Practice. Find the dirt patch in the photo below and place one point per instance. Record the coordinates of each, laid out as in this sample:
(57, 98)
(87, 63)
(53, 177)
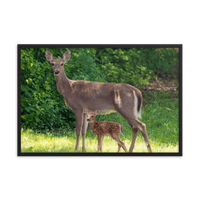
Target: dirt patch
(160, 49)
(167, 81)
(162, 85)
(165, 87)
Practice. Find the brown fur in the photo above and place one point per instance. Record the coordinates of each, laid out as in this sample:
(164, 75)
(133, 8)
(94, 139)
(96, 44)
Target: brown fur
(107, 97)
(101, 128)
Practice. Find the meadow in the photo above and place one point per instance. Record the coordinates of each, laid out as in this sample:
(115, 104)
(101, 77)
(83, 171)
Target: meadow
(161, 119)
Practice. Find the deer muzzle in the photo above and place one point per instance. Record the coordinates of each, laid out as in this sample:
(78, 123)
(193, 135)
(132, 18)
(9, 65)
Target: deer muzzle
(56, 71)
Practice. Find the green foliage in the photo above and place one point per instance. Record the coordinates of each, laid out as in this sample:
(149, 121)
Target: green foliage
(158, 59)
(135, 66)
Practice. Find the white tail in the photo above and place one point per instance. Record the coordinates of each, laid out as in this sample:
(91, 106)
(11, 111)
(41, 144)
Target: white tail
(136, 112)
(121, 129)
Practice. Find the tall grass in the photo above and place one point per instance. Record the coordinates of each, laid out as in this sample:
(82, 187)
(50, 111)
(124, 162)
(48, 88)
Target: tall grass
(162, 123)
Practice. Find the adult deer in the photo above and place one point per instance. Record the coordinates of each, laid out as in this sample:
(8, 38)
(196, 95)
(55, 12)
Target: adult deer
(106, 97)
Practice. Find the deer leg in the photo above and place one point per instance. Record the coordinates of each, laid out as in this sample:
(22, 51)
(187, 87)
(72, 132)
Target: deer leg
(120, 143)
(142, 127)
(119, 148)
(135, 132)
(84, 129)
(134, 123)
(99, 142)
(123, 146)
(79, 117)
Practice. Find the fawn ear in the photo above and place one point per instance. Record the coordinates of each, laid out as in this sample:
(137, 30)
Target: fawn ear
(97, 112)
(48, 56)
(86, 110)
(66, 55)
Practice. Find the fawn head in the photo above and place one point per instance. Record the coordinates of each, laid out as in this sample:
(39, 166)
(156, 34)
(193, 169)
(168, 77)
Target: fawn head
(91, 115)
(58, 64)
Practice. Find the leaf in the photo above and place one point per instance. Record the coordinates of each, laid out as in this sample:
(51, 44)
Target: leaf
(37, 119)
(27, 109)
(24, 116)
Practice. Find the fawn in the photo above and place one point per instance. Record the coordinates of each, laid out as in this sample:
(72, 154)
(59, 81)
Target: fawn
(101, 128)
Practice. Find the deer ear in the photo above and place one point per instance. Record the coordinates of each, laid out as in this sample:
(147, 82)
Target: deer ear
(48, 56)
(97, 112)
(86, 110)
(66, 55)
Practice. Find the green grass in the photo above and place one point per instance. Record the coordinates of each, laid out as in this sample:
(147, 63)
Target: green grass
(162, 123)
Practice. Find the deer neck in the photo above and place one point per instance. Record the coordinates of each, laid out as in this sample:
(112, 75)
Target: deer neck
(92, 124)
(63, 83)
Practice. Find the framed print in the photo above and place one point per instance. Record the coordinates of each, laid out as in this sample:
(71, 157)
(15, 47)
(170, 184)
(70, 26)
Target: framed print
(105, 100)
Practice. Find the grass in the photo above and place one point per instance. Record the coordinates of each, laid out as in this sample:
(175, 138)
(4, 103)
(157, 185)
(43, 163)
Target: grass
(161, 119)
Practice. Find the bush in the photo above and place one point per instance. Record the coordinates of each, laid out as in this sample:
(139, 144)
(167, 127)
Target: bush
(135, 66)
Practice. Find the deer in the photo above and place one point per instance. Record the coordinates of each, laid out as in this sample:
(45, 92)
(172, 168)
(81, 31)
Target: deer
(101, 128)
(106, 97)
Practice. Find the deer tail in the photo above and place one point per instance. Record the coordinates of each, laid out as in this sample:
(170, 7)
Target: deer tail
(121, 129)
(137, 103)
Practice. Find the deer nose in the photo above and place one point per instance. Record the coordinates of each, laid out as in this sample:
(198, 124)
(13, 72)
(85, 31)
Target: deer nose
(88, 120)
(57, 71)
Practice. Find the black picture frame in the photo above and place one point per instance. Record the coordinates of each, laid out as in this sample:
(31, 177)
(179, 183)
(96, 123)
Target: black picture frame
(20, 46)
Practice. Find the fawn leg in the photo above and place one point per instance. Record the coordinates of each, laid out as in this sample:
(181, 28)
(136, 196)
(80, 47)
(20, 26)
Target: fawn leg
(120, 143)
(123, 146)
(119, 147)
(101, 143)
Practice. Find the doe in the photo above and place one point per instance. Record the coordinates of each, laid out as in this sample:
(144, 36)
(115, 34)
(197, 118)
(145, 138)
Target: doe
(107, 97)
(101, 128)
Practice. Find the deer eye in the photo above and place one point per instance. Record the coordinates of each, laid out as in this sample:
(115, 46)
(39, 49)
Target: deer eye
(52, 64)
(92, 116)
(61, 64)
